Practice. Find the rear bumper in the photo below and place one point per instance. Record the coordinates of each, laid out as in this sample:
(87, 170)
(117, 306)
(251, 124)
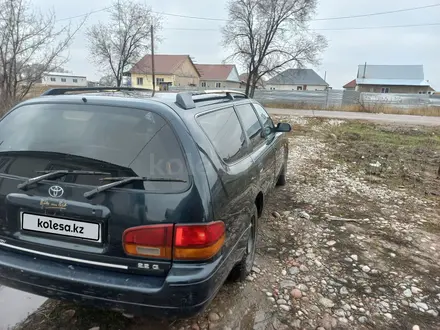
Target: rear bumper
(186, 290)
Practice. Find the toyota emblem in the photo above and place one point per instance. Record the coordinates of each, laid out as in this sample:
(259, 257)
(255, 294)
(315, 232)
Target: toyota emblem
(56, 191)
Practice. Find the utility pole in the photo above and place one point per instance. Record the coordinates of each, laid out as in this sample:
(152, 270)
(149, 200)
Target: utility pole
(152, 59)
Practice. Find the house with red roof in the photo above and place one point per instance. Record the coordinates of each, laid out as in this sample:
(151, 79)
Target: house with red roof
(218, 76)
(170, 70)
(351, 86)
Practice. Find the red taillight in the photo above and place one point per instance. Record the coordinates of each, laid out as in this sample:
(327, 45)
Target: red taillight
(151, 241)
(198, 242)
(191, 242)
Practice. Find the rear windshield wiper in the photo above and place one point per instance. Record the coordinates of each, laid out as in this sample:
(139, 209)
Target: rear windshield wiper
(55, 174)
(120, 181)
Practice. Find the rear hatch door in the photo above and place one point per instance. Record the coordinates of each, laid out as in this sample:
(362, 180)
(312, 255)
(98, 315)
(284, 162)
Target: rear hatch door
(63, 216)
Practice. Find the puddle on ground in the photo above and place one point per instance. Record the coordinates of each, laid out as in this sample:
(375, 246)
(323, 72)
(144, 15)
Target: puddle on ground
(15, 306)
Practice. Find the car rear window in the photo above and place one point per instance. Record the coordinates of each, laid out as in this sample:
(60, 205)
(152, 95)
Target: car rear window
(133, 139)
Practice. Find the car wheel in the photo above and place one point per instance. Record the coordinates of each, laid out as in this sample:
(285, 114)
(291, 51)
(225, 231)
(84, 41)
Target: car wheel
(244, 267)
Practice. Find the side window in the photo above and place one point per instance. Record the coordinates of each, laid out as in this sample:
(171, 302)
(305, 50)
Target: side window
(223, 129)
(264, 117)
(250, 123)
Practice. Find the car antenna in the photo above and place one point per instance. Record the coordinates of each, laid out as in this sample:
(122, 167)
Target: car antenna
(84, 100)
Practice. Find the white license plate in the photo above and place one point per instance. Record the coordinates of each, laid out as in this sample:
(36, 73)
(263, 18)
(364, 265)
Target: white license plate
(63, 227)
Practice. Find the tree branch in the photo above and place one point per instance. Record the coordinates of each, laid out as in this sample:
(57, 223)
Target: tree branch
(114, 49)
(268, 35)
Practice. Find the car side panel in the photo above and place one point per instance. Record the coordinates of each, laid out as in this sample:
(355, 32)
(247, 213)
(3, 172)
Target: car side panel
(263, 172)
(234, 204)
(230, 191)
(281, 145)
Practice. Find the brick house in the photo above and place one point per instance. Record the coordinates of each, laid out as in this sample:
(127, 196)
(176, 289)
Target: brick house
(170, 70)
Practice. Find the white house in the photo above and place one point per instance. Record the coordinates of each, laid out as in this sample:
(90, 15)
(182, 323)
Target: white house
(63, 79)
(297, 80)
(406, 79)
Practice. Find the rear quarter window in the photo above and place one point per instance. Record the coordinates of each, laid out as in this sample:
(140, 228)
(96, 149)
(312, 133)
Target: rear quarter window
(251, 124)
(137, 142)
(224, 130)
(264, 116)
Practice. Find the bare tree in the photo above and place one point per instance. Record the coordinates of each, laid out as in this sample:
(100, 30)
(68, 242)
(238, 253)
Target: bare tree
(30, 45)
(266, 36)
(125, 39)
(61, 70)
(107, 80)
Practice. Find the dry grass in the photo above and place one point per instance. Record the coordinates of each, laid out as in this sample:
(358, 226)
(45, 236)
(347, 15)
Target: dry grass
(408, 156)
(35, 91)
(370, 108)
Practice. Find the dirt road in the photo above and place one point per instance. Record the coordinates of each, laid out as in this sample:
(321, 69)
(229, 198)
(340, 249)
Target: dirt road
(351, 242)
(375, 117)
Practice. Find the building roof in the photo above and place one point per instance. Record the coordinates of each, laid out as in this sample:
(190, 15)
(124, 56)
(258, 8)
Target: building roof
(297, 77)
(351, 84)
(393, 82)
(391, 75)
(215, 71)
(163, 64)
(62, 74)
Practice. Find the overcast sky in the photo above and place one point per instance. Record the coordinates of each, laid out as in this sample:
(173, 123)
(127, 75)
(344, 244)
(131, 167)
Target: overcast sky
(347, 49)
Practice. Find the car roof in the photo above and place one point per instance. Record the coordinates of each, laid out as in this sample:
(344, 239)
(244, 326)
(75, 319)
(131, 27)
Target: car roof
(194, 102)
(115, 99)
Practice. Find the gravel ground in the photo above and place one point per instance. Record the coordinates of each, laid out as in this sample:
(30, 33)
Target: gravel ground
(351, 242)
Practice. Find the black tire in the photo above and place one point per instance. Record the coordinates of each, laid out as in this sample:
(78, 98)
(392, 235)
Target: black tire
(282, 177)
(244, 267)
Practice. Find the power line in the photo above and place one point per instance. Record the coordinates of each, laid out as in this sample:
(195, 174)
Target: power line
(377, 14)
(315, 19)
(192, 17)
(156, 12)
(83, 15)
(190, 29)
(378, 27)
(330, 29)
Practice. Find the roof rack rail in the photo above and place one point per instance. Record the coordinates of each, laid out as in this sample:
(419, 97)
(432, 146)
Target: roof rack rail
(62, 91)
(186, 101)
